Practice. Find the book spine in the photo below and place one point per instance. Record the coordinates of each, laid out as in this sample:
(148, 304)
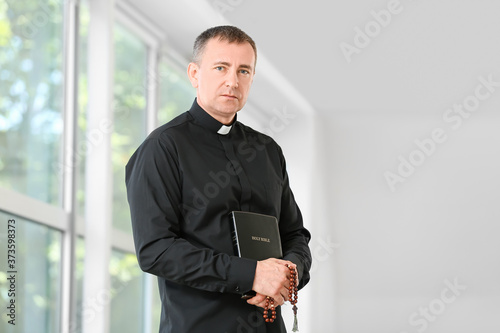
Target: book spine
(234, 235)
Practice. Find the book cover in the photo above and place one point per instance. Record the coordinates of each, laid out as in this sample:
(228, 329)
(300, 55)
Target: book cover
(256, 236)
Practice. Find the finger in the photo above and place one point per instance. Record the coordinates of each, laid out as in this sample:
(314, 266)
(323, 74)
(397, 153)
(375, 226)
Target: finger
(280, 297)
(266, 302)
(284, 293)
(276, 302)
(279, 301)
(282, 262)
(257, 299)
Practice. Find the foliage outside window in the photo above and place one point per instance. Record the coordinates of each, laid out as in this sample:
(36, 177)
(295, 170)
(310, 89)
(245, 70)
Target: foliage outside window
(31, 82)
(129, 115)
(37, 281)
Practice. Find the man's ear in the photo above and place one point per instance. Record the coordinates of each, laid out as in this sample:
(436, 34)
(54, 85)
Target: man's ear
(192, 72)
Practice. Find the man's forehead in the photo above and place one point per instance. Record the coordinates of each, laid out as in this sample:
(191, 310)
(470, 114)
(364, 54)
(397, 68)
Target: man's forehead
(224, 51)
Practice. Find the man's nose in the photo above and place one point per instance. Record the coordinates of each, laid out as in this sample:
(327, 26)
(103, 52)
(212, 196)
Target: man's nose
(232, 79)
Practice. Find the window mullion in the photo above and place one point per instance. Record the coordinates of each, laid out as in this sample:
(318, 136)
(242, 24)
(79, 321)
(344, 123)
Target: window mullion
(152, 80)
(68, 294)
(98, 171)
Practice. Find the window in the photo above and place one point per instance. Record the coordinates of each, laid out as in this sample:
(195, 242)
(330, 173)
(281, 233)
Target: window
(129, 116)
(37, 281)
(32, 148)
(82, 101)
(176, 92)
(79, 271)
(127, 293)
(31, 83)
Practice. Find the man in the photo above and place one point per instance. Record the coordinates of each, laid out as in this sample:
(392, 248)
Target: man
(185, 179)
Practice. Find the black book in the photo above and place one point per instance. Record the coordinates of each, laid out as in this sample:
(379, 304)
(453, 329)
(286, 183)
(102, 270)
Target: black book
(256, 236)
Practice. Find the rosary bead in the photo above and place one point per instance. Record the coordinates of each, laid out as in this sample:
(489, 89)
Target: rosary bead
(293, 289)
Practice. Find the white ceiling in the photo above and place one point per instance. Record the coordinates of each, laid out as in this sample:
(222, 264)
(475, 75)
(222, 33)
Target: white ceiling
(427, 56)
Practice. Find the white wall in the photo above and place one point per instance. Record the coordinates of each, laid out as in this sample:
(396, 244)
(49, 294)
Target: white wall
(397, 252)
(397, 249)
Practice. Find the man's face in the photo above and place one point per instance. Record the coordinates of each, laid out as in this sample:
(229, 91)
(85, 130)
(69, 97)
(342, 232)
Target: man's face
(223, 78)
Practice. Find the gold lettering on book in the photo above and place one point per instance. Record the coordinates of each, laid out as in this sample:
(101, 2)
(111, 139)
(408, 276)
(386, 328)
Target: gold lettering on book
(261, 239)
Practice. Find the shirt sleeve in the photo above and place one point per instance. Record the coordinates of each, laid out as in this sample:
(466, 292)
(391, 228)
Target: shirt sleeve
(294, 236)
(153, 182)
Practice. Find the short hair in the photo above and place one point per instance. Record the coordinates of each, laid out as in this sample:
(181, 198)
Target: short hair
(227, 33)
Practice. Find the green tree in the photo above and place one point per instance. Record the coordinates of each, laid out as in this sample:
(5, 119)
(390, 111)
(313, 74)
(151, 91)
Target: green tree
(31, 82)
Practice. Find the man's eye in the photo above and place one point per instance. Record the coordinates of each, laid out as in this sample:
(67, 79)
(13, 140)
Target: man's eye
(244, 71)
(219, 68)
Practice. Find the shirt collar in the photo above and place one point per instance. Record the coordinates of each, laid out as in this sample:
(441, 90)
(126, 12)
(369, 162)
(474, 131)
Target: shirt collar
(202, 118)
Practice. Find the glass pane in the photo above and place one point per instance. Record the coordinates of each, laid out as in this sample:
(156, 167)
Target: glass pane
(176, 92)
(127, 290)
(155, 305)
(129, 116)
(79, 271)
(31, 286)
(31, 82)
(82, 143)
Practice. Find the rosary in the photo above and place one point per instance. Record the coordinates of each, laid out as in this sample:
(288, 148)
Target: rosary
(269, 310)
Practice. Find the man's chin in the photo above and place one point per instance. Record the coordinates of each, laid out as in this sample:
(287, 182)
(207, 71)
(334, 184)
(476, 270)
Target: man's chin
(229, 108)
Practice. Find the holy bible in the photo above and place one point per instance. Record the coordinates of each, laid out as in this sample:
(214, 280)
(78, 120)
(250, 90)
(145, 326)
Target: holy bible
(256, 236)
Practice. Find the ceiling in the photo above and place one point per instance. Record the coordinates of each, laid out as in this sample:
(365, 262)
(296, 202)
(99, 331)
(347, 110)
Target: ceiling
(420, 58)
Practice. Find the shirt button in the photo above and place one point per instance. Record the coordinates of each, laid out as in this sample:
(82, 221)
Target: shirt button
(237, 288)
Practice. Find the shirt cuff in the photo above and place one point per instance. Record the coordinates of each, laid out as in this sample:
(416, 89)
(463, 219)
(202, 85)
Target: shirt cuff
(241, 275)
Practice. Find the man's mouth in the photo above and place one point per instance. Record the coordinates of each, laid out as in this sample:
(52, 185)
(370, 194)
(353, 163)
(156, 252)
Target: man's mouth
(230, 96)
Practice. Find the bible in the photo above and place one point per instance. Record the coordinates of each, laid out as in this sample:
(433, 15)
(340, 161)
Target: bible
(256, 236)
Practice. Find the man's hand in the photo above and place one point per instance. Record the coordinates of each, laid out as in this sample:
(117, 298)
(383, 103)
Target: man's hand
(258, 300)
(272, 278)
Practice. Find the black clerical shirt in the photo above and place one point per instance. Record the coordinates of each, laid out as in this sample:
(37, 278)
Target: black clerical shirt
(182, 182)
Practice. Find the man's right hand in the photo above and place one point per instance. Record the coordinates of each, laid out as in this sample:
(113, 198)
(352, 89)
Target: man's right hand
(272, 278)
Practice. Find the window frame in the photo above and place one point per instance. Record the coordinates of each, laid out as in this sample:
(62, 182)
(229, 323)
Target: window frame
(63, 217)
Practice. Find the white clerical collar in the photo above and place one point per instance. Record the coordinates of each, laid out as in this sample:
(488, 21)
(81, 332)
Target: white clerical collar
(224, 130)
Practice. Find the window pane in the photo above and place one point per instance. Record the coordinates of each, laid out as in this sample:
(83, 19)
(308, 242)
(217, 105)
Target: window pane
(155, 305)
(129, 116)
(31, 82)
(176, 92)
(127, 290)
(83, 144)
(37, 278)
(79, 271)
